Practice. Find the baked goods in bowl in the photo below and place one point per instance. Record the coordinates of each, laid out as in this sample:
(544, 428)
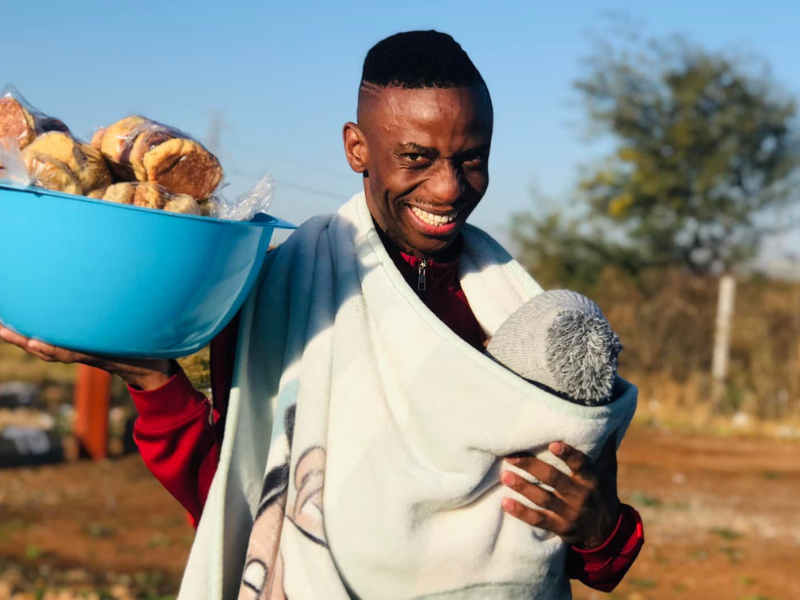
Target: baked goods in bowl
(142, 150)
(59, 162)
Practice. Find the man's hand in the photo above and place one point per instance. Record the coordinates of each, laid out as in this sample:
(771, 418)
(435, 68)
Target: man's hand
(144, 374)
(584, 508)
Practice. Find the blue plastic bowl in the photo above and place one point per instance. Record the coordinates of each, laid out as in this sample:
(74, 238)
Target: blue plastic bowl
(119, 280)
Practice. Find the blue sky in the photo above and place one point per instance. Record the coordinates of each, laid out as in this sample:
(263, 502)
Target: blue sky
(283, 77)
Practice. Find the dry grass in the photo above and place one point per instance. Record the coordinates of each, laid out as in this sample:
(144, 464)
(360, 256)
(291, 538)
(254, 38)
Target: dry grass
(666, 322)
(16, 365)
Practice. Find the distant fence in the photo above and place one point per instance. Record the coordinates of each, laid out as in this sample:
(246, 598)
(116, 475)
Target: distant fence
(666, 320)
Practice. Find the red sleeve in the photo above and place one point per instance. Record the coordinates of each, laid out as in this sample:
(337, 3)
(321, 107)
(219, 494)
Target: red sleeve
(176, 440)
(602, 568)
(179, 433)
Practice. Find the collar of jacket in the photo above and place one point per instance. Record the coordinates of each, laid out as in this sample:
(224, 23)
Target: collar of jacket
(439, 275)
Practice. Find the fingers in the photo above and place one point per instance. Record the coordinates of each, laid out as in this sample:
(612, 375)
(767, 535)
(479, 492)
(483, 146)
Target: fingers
(582, 505)
(46, 352)
(535, 518)
(12, 338)
(22, 342)
(142, 373)
(538, 495)
(576, 460)
(543, 472)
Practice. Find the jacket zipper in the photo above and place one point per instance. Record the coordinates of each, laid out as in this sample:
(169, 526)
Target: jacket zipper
(422, 282)
(211, 419)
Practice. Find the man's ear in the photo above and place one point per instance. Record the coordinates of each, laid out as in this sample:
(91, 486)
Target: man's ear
(355, 147)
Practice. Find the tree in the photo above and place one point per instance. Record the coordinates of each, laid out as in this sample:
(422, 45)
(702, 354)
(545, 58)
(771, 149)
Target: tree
(705, 148)
(566, 253)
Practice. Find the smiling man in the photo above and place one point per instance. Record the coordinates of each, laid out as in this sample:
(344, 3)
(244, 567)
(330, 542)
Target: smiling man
(425, 156)
(358, 430)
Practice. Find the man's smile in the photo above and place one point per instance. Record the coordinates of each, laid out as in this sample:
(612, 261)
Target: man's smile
(435, 218)
(430, 223)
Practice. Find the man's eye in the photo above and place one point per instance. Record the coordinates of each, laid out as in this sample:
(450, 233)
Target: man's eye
(475, 159)
(415, 160)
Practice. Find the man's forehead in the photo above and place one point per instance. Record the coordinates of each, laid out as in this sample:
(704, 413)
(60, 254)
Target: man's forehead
(388, 107)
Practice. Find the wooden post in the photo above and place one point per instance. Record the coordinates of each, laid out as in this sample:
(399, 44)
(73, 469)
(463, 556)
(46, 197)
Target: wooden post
(92, 402)
(722, 338)
(795, 384)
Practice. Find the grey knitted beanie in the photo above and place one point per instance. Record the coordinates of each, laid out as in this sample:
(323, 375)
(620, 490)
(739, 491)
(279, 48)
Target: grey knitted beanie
(560, 340)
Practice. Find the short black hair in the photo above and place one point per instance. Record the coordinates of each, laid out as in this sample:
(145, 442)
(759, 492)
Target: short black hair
(419, 59)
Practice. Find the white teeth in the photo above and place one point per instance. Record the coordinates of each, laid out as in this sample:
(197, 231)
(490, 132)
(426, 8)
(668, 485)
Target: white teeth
(432, 219)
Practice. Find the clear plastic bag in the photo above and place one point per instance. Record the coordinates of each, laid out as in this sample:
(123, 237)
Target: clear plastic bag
(245, 206)
(21, 123)
(139, 149)
(145, 151)
(150, 195)
(37, 148)
(12, 167)
(58, 161)
(133, 161)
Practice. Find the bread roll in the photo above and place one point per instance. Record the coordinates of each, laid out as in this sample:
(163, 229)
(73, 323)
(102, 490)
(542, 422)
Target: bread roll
(149, 196)
(121, 193)
(183, 166)
(145, 151)
(145, 141)
(115, 143)
(97, 139)
(23, 124)
(183, 203)
(51, 173)
(55, 152)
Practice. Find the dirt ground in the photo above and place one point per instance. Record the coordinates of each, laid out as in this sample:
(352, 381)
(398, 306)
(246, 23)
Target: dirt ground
(721, 522)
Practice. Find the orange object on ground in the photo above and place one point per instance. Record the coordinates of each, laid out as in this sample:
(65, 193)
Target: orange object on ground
(92, 402)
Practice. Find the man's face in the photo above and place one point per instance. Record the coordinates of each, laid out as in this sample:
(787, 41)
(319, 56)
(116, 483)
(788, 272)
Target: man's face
(425, 156)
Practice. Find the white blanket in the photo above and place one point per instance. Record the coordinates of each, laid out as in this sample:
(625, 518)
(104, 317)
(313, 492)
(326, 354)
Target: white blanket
(344, 376)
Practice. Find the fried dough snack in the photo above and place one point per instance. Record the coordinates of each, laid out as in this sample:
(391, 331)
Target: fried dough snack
(121, 193)
(21, 123)
(147, 195)
(59, 162)
(142, 150)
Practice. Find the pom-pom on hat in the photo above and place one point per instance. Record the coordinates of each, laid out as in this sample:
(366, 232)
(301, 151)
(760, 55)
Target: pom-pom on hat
(562, 341)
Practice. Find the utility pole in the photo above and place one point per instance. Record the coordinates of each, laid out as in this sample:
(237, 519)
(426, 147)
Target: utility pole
(92, 403)
(722, 338)
(215, 127)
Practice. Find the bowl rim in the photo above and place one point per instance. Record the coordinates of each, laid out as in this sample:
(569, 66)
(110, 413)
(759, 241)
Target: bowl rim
(260, 219)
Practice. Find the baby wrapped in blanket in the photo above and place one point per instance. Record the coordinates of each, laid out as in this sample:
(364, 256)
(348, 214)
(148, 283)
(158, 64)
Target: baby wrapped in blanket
(561, 342)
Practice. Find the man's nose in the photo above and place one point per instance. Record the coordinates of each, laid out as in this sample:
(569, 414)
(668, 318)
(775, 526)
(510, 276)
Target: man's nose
(448, 184)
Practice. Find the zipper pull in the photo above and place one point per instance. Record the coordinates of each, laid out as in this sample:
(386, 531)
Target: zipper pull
(211, 419)
(422, 282)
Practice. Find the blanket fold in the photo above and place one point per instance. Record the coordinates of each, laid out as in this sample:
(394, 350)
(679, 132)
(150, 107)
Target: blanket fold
(362, 442)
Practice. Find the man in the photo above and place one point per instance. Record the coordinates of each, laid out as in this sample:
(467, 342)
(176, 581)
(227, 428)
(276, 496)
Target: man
(421, 142)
